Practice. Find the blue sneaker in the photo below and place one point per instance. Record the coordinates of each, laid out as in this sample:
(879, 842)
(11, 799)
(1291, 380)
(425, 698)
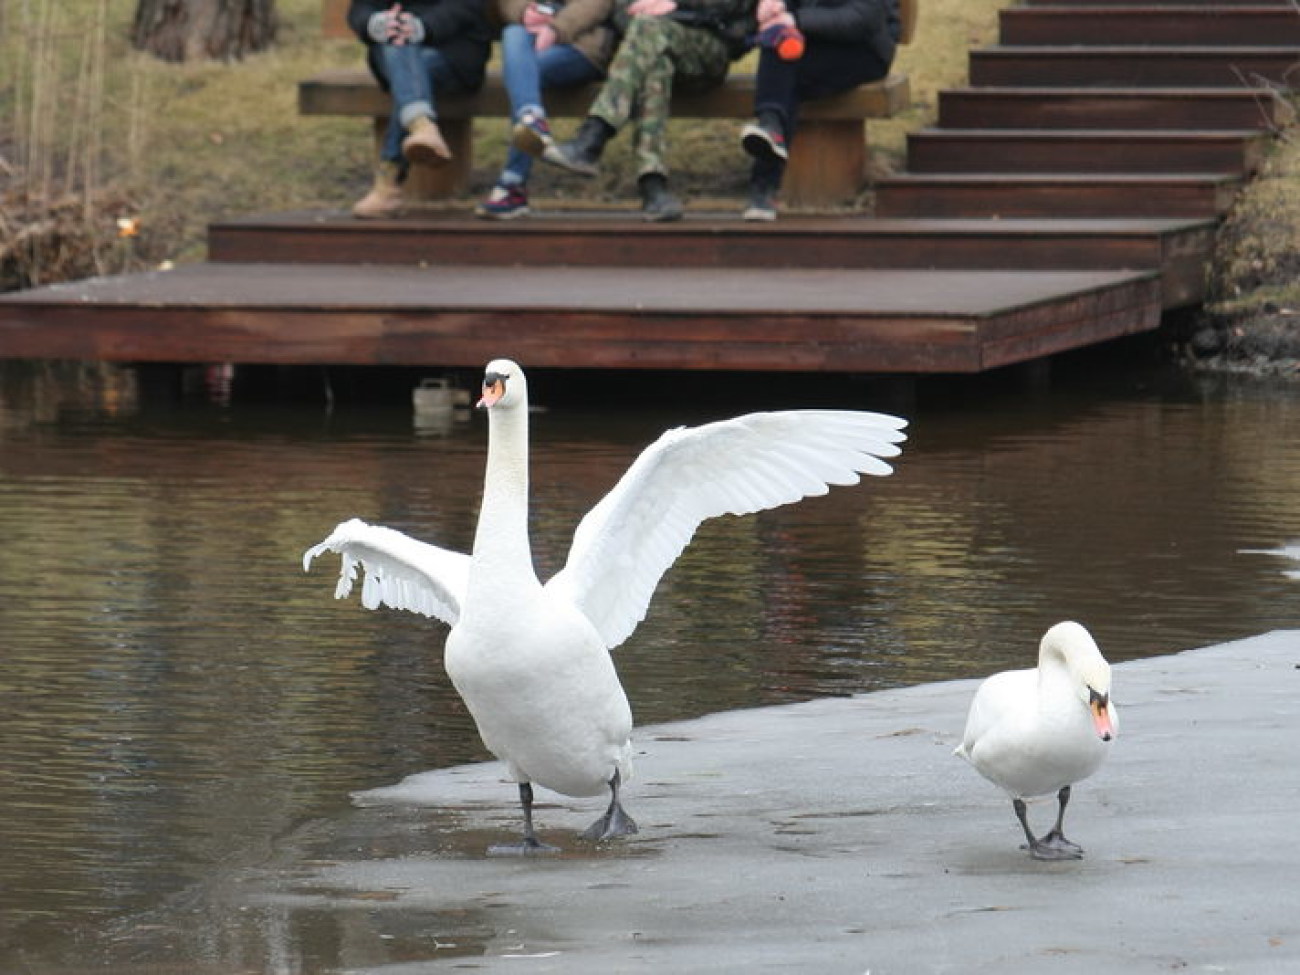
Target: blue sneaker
(532, 135)
(504, 203)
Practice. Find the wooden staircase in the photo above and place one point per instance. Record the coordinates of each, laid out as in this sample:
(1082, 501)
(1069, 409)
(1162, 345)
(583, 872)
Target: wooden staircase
(1068, 196)
(1106, 109)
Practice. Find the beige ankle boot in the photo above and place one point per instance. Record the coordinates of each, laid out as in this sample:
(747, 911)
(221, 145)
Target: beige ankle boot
(385, 196)
(424, 143)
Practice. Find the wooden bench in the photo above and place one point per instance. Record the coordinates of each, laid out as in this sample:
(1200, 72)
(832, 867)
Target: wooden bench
(827, 162)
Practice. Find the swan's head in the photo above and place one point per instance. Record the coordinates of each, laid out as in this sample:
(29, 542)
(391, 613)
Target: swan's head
(1089, 670)
(503, 385)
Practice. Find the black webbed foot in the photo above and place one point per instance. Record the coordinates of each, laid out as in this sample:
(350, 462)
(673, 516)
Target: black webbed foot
(615, 822)
(530, 845)
(1057, 841)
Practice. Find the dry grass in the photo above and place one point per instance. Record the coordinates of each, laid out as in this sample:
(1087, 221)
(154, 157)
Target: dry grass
(93, 131)
(1257, 257)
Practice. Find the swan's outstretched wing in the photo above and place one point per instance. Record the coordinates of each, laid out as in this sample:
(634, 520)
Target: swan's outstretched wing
(399, 571)
(627, 541)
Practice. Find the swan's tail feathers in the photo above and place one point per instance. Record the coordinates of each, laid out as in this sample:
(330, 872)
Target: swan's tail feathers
(397, 571)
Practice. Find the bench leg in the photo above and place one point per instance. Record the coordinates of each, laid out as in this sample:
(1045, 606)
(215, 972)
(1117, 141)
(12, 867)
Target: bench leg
(429, 183)
(828, 163)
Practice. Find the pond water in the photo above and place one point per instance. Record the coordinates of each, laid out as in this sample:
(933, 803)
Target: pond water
(177, 696)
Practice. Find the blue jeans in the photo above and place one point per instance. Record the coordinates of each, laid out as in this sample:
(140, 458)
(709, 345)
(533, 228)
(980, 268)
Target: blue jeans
(526, 73)
(413, 72)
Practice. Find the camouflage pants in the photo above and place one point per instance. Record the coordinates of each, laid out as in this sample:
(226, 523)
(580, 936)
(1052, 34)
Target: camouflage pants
(655, 53)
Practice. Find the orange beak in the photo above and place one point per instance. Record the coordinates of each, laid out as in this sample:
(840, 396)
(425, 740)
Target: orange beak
(1100, 707)
(493, 389)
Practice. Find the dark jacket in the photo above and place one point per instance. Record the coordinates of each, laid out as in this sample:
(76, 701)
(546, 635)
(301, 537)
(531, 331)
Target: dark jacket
(875, 23)
(457, 28)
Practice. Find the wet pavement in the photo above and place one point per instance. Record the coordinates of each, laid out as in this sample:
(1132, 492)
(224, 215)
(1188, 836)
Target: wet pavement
(842, 835)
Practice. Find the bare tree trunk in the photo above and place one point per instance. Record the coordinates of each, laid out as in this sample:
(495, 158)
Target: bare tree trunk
(196, 30)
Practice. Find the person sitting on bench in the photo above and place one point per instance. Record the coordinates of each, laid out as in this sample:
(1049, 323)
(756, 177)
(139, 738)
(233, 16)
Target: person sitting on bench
(665, 42)
(415, 50)
(545, 44)
(808, 49)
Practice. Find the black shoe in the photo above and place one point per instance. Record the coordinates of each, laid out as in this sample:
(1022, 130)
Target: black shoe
(581, 153)
(762, 204)
(657, 204)
(765, 139)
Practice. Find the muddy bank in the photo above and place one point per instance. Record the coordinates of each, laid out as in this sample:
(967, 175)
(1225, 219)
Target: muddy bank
(1263, 343)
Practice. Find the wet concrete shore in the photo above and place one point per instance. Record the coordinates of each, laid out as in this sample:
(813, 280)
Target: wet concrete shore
(842, 835)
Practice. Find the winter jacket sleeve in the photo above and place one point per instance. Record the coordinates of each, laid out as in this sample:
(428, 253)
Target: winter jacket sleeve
(854, 21)
(512, 11)
(725, 10)
(442, 19)
(577, 17)
(445, 19)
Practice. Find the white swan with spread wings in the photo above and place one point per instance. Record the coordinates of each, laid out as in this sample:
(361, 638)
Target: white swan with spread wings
(532, 661)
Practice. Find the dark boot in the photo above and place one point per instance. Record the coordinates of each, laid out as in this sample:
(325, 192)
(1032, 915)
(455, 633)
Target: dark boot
(761, 206)
(657, 204)
(581, 153)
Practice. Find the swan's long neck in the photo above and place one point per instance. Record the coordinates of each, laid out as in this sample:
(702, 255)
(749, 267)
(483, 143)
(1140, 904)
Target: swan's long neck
(502, 556)
(1056, 681)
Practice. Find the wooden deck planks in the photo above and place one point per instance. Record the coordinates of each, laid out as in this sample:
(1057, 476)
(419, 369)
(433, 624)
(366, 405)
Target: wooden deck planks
(836, 320)
(1067, 198)
(1178, 246)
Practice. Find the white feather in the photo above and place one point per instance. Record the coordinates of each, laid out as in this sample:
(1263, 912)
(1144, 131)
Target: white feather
(399, 571)
(735, 466)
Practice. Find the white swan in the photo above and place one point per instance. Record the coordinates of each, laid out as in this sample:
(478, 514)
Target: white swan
(1035, 732)
(531, 661)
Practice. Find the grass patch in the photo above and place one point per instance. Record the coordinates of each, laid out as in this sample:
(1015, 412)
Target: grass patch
(180, 145)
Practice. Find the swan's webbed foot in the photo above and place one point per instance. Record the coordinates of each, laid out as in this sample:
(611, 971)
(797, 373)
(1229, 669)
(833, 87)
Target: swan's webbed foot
(615, 822)
(1056, 840)
(1054, 845)
(530, 845)
(1047, 849)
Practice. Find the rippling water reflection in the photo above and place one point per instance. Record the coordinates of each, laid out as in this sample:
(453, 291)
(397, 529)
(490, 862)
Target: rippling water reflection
(176, 695)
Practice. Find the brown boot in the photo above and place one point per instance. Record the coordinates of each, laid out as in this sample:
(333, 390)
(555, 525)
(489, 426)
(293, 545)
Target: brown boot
(385, 196)
(424, 143)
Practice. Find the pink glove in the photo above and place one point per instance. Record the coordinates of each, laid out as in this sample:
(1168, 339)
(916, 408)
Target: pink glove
(534, 19)
(543, 38)
(773, 12)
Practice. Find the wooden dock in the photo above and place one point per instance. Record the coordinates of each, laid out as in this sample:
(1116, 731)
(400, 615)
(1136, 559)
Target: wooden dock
(1067, 197)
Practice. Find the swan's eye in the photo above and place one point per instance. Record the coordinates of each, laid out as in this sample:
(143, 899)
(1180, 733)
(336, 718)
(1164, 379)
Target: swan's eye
(1098, 700)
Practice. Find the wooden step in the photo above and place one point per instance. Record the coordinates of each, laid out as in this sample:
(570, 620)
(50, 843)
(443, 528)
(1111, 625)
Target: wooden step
(1122, 67)
(1090, 151)
(1030, 196)
(1112, 108)
(1160, 24)
(623, 318)
(1179, 247)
